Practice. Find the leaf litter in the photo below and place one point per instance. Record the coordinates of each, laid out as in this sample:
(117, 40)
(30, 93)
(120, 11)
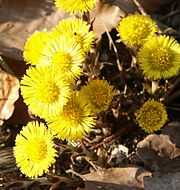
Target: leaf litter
(113, 157)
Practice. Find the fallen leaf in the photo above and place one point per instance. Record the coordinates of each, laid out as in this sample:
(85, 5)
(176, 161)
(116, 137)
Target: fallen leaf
(173, 131)
(9, 93)
(36, 184)
(160, 152)
(163, 182)
(148, 5)
(20, 18)
(127, 178)
(105, 17)
(21, 114)
(7, 161)
(108, 13)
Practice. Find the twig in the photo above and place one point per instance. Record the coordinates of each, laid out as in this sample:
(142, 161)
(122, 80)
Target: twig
(94, 165)
(75, 173)
(173, 108)
(169, 15)
(115, 50)
(109, 138)
(75, 155)
(139, 6)
(166, 29)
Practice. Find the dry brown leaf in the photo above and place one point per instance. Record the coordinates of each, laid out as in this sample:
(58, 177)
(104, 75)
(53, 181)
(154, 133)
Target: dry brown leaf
(173, 131)
(107, 14)
(20, 18)
(160, 152)
(9, 93)
(7, 161)
(20, 114)
(163, 182)
(149, 5)
(105, 17)
(127, 178)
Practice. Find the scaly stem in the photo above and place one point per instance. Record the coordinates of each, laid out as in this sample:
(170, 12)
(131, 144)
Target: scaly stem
(154, 86)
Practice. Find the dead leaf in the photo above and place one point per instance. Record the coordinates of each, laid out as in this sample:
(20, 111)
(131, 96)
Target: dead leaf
(20, 18)
(9, 93)
(9, 174)
(173, 131)
(148, 5)
(108, 13)
(159, 153)
(105, 17)
(127, 178)
(163, 182)
(7, 161)
(21, 113)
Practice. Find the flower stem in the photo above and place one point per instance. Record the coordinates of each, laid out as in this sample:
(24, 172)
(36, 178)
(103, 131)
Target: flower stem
(154, 86)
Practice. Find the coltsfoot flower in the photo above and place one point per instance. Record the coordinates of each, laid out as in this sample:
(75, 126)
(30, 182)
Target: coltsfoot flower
(34, 150)
(75, 6)
(74, 121)
(160, 57)
(136, 29)
(78, 29)
(99, 94)
(44, 90)
(34, 46)
(151, 116)
(64, 53)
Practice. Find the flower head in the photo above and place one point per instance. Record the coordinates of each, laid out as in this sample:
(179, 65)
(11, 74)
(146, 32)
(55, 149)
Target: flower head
(75, 6)
(78, 29)
(160, 57)
(99, 94)
(151, 116)
(44, 90)
(64, 53)
(33, 151)
(136, 29)
(74, 121)
(34, 46)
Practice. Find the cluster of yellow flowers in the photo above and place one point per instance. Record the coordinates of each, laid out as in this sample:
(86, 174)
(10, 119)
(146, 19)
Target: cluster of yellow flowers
(159, 55)
(56, 58)
(159, 58)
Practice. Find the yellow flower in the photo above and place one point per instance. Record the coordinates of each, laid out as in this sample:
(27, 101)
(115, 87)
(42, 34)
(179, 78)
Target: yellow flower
(45, 91)
(160, 57)
(136, 29)
(75, 120)
(151, 116)
(33, 151)
(75, 6)
(77, 28)
(34, 46)
(65, 53)
(99, 94)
